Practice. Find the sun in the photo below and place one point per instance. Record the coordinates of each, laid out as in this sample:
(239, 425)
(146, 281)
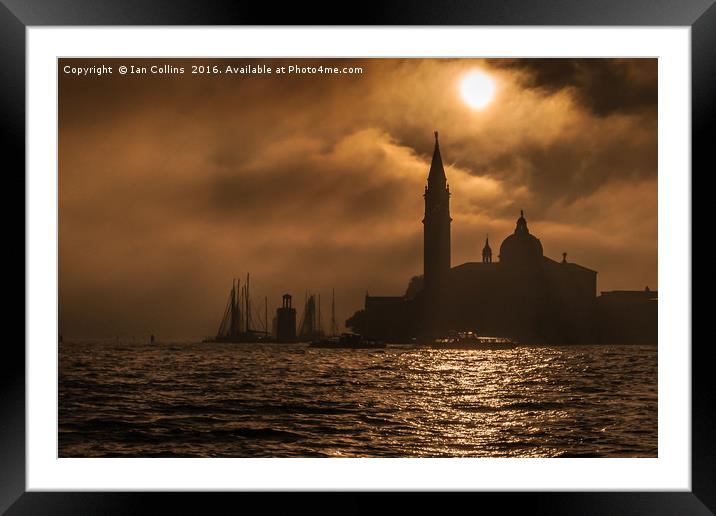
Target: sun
(477, 89)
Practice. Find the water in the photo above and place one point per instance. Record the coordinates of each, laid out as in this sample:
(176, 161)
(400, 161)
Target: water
(273, 400)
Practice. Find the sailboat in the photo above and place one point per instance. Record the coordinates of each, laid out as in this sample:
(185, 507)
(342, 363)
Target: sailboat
(344, 340)
(236, 324)
(310, 326)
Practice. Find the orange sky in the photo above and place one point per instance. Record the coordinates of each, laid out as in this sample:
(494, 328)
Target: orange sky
(170, 185)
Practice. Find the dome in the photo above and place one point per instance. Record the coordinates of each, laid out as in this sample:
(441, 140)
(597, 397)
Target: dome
(521, 246)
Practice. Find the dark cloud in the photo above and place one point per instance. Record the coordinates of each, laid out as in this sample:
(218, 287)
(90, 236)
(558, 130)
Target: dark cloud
(604, 86)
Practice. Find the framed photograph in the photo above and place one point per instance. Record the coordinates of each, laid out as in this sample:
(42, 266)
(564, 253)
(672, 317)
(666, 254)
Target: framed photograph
(419, 252)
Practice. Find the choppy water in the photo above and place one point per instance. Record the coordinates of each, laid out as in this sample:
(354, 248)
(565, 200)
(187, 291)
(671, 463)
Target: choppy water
(271, 400)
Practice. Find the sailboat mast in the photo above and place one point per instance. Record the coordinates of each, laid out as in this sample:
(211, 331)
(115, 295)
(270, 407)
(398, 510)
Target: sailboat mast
(307, 312)
(318, 329)
(312, 307)
(232, 310)
(242, 301)
(248, 303)
(266, 315)
(333, 313)
(237, 310)
(238, 306)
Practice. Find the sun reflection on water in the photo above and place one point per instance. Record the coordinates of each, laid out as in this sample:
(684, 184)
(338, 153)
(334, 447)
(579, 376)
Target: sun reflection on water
(224, 401)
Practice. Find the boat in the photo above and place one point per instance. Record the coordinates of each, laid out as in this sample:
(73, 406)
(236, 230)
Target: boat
(347, 341)
(237, 324)
(333, 341)
(310, 326)
(471, 340)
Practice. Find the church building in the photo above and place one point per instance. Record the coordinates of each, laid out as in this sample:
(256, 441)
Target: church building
(522, 294)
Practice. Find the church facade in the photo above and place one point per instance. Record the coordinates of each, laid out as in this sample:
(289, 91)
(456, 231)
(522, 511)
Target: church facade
(521, 294)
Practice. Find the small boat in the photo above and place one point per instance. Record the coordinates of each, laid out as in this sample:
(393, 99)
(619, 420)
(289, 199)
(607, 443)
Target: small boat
(471, 340)
(347, 341)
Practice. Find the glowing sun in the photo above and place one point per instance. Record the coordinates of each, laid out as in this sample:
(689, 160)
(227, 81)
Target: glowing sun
(477, 89)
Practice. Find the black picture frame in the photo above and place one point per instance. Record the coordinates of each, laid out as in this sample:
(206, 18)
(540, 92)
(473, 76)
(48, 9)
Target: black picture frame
(17, 15)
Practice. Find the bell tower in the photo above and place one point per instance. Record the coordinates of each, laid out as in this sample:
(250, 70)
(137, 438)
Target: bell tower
(436, 228)
(487, 251)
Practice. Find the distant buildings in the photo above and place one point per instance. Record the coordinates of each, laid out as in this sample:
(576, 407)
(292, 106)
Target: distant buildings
(525, 295)
(628, 316)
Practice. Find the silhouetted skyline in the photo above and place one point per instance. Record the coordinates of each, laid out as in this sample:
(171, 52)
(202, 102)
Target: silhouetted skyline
(525, 295)
(171, 186)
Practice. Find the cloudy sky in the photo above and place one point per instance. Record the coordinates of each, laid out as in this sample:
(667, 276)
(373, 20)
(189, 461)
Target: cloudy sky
(170, 185)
